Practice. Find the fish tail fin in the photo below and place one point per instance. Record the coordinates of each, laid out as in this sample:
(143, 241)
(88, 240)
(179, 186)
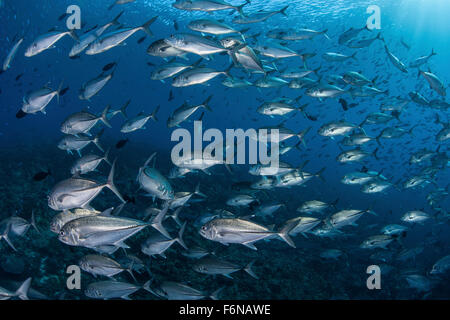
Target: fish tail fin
(6, 237)
(112, 5)
(206, 103)
(124, 109)
(33, 222)
(378, 139)
(110, 182)
(60, 88)
(104, 117)
(150, 159)
(146, 26)
(198, 192)
(22, 292)
(433, 53)
(115, 21)
(215, 294)
(319, 175)
(130, 270)
(283, 11)
(106, 157)
(157, 221)
(74, 35)
(301, 135)
(175, 216)
(374, 153)
(353, 56)
(284, 235)
(153, 116)
(179, 239)
(147, 287)
(96, 140)
(324, 32)
(249, 270)
(240, 7)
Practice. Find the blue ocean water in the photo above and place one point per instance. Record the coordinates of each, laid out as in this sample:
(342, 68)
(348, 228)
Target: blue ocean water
(410, 29)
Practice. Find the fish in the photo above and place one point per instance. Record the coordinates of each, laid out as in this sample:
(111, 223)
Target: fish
(157, 244)
(42, 175)
(153, 182)
(122, 143)
(89, 37)
(71, 143)
(92, 87)
(78, 192)
(215, 266)
(21, 292)
(296, 34)
(119, 2)
(139, 121)
(196, 76)
(208, 5)
(99, 265)
(111, 289)
(12, 53)
(259, 16)
(240, 231)
(36, 101)
(350, 34)
(88, 163)
(435, 83)
(179, 291)
(185, 111)
(193, 43)
(83, 122)
(113, 39)
(46, 41)
(395, 61)
(161, 48)
(421, 60)
(100, 231)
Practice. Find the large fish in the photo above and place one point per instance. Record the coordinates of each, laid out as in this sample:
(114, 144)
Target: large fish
(92, 87)
(83, 122)
(240, 231)
(208, 5)
(115, 38)
(89, 37)
(37, 101)
(47, 41)
(153, 182)
(78, 192)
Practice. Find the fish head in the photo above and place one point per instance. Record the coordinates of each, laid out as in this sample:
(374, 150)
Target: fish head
(68, 235)
(200, 267)
(93, 292)
(63, 145)
(176, 40)
(181, 4)
(31, 50)
(56, 224)
(208, 231)
(179, 81)
(85, 265)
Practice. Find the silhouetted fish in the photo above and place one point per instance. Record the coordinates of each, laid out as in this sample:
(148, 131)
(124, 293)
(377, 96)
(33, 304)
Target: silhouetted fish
(41, 175)
(109, 66)
(121, 143)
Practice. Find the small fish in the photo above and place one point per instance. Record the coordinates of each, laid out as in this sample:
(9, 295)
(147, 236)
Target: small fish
(140, 40)
(109, 66)
(122, 143)
(41, 175)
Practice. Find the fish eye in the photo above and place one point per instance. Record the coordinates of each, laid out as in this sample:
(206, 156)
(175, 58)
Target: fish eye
(62, 233)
